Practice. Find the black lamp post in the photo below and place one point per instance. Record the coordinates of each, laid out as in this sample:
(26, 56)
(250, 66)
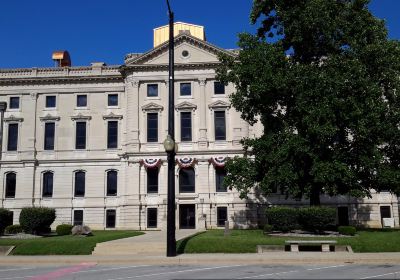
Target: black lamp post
(169, 145)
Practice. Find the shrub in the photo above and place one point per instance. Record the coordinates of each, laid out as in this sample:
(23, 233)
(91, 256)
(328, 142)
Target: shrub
(268, 228)
(317, 219)
(36, 220)
(13, 229)
(64, 229)
(282, 218)
(5, 219)
(347, 230)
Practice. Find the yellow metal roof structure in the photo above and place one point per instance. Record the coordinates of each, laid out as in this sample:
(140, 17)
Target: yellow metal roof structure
(161, 34)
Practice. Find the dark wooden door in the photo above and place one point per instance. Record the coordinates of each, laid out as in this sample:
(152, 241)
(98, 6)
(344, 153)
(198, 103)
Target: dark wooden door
(343, 216)
(187, 216)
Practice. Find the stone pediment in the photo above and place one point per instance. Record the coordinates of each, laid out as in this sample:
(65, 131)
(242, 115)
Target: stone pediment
(188, 50)
(219, 104)
(13, 118)
(185, 106)
(112, 116)
(49, 117)
(81, 117)
(152, 107)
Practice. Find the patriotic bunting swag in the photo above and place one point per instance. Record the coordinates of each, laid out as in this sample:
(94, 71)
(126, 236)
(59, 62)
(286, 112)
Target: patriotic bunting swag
(186, 162)
(218, 161)
(151, 162)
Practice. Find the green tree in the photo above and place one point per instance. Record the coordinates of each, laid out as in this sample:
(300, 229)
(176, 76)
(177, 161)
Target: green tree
(323, 79)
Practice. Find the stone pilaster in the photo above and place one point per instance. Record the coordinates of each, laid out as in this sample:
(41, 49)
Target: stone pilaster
(132, 113)
(203, 141)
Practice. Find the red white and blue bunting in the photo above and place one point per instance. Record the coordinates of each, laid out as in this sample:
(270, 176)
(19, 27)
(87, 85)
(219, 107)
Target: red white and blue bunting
(186, 162)
(218, 161)
(151, 162)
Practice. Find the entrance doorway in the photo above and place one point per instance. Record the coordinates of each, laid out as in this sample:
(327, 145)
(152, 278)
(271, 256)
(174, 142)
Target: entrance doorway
(187, 216)
(343, 216)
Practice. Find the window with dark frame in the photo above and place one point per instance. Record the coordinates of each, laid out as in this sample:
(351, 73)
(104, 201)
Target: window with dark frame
(14, 102)
(112, 100)
(47, 184)
(152, 90)
(81, 100)
(220, 125)
(186, 180)
(12, 141)
(151, 217)
(185, 89)
(79, 184)
(49, 131)
(112, 135)
(11, 182)
(222, 216)
(112, 183)
(110, 218)
(186, 126)
(220, 174)
(219, 88)
(152, 180)
(80, 141)
(78, 218)
(50, 101)
(152, 127)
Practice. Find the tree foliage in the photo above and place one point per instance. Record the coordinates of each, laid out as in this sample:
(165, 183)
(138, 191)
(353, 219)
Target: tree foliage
(323, 79)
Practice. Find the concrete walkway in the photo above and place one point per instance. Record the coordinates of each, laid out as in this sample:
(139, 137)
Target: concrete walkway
(150, 243)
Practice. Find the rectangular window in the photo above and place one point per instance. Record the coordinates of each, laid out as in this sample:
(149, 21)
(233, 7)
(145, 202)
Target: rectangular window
(80, 141)
(220, 129)
(152, 180)
(112, 183)
(81, 100)
(220, 174)
(151, 217)
(152, 90)
(49, 129)
(112, 100)
(50, 101)
(152, 127)
(79, 184)
(14, 102)
(112, 135)
(48, 184)
(12, 142)
(186, 126)
(186, 89)
(11, 182)
(110, 218)
(222, 216)
(78, 217)
(219, 88)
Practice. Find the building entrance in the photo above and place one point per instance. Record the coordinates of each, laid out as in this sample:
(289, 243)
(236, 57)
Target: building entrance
(187, 216)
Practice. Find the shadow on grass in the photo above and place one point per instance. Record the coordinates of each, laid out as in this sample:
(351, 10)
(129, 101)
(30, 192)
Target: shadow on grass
(181, 244)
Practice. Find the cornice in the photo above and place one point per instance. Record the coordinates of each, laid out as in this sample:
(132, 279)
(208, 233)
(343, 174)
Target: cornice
(13, 118)
(59, 80)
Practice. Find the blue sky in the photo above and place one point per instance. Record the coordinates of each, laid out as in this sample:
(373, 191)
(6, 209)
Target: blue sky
(105, 30)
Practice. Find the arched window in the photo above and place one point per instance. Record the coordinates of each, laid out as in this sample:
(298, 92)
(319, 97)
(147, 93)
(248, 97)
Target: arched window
(48, 184)
(11, 179)
(112, 183)
(186, 180)
(80, 183)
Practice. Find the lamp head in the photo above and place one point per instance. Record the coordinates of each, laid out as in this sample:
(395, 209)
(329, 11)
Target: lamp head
(169, 144)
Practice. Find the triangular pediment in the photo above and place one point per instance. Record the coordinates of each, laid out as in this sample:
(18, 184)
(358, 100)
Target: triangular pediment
(185, 106)
(188, 50)
(152, 107)
(219, 104)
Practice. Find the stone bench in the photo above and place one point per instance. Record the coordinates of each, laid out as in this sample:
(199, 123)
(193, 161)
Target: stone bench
(294, 244)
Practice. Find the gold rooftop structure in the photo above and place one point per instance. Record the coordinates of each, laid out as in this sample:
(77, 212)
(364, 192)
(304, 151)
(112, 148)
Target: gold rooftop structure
(161, 34)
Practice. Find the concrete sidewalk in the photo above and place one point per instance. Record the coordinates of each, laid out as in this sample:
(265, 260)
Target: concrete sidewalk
(150, 243)
(211, 259)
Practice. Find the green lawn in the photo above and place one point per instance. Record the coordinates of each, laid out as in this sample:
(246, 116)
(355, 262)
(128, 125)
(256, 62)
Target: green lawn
(64, 245)
(245, 241)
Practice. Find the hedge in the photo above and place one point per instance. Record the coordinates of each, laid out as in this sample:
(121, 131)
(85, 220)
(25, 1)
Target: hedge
(13, 229)
(6, 219)
(317, 219)
(37, 220)
(64, 229)
(282, 218)
(347, 230)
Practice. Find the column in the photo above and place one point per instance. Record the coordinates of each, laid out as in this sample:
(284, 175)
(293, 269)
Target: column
(203, 141)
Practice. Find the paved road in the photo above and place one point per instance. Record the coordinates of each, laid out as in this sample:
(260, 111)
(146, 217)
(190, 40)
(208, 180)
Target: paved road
(89, 271)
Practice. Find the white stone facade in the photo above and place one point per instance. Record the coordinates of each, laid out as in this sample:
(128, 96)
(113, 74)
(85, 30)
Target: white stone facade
(132, 200)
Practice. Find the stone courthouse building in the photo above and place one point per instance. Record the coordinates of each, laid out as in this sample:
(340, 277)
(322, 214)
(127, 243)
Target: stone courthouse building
(88, 141)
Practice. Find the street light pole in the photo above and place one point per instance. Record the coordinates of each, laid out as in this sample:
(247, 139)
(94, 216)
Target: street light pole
(171, 242)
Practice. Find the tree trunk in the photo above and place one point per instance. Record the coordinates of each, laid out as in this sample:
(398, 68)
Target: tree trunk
(315, 196)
